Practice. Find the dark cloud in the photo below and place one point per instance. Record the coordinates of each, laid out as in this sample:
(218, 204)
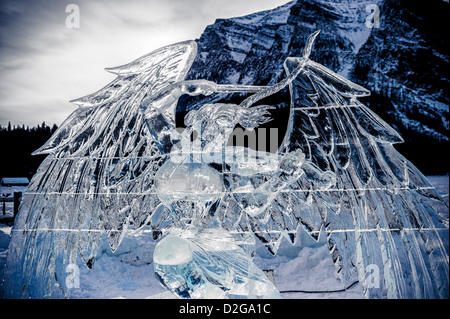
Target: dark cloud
(43, 64)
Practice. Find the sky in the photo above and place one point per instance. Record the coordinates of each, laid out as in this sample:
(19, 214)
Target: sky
(49, 57)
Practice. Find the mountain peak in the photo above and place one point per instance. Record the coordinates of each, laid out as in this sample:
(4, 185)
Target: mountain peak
(404, 62)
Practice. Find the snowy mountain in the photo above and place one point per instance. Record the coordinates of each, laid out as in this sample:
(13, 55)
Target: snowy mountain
(404, 62)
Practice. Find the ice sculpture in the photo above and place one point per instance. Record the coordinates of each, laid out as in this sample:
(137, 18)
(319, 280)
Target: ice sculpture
(119, 161)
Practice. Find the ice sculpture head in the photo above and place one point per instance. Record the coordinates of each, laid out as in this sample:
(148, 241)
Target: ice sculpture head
(214, 123)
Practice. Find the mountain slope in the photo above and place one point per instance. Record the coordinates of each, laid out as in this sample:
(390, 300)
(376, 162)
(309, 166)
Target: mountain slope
(404, 62)
(405, 65)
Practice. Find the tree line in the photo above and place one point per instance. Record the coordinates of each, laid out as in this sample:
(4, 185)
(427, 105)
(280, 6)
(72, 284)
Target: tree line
(17, 144)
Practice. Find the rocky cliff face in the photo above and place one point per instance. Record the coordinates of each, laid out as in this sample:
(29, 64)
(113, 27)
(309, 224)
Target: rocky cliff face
(405, 65)
(404, 62)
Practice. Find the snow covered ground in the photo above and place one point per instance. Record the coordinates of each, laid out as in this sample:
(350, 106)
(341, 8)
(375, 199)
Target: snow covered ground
(9, 206)
(5, 232)
(128, 273)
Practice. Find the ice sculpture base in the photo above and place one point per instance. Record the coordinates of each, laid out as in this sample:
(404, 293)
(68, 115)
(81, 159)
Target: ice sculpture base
(210, 265)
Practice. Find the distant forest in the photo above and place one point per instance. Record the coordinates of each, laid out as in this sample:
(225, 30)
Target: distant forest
(17, 144)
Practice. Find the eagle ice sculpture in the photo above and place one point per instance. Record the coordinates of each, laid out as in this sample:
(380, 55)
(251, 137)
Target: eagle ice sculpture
(120, 161)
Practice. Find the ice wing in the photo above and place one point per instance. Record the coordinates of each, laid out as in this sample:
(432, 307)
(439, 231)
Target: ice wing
(98, 177)
(385, 223)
